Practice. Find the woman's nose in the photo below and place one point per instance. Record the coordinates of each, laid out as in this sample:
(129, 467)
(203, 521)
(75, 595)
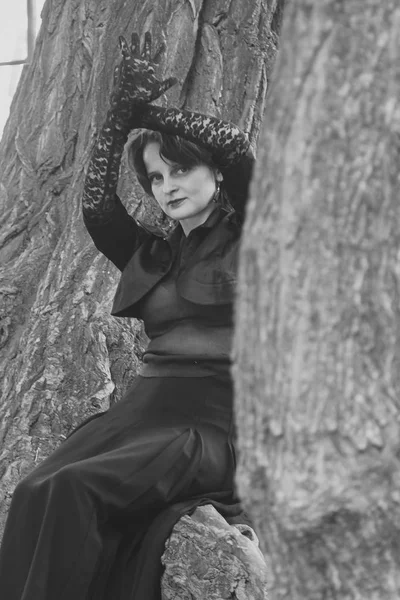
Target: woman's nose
(169, 184)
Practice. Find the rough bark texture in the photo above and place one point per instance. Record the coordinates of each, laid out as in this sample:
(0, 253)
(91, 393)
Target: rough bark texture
(62, 357)
(205, 558)
(318, 319)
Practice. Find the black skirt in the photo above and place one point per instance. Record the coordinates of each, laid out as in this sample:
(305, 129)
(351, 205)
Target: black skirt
(90, 522)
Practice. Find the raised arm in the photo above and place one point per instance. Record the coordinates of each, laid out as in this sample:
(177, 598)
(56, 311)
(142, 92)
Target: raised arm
(99, 192)
(230, 147)
(113, 231)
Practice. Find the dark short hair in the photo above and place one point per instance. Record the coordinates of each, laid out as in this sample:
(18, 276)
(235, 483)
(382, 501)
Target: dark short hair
(172, 147)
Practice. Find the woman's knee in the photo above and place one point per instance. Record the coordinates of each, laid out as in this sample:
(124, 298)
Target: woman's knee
(59, 482)
(67, 481)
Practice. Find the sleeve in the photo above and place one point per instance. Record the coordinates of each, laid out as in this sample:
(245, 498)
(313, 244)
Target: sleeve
(114, 232)
(229, 146)
(98, 200)
(118, 237)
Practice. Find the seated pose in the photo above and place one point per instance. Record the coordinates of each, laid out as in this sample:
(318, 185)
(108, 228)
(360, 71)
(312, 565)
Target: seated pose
(91, 521)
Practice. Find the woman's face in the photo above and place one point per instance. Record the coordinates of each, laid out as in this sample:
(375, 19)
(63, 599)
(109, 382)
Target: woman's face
(183, 193)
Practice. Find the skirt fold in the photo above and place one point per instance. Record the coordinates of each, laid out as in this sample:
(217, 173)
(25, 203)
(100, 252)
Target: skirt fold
(92, 519)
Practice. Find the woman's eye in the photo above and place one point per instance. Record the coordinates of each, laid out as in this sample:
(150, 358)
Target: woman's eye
(182, 170)
(155, 178)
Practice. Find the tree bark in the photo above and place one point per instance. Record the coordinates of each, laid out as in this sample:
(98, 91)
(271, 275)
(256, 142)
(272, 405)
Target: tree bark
(205, 558)
(62, 357)
(318, 320)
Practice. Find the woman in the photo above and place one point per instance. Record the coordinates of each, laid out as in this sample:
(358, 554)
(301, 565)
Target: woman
(92, 519)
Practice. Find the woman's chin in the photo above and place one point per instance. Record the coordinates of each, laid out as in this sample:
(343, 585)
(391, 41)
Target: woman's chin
(180, 213)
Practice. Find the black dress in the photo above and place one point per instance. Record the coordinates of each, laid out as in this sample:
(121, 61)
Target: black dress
(90, 522)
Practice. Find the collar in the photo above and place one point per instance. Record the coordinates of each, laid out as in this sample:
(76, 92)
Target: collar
(212, 218)
(175, 234)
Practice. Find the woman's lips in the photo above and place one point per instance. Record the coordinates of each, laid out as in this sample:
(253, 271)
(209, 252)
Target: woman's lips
(175, 203)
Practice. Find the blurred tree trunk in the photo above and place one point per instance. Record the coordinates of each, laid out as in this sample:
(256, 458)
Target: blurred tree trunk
(318, 394)
(62, 357)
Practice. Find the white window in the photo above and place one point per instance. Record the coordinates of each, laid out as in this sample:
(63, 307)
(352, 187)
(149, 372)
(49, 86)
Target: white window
(18, 31)
(18, 28)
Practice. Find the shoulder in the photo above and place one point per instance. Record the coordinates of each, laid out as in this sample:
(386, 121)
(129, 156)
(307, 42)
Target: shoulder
(118, 236)
(237, 179)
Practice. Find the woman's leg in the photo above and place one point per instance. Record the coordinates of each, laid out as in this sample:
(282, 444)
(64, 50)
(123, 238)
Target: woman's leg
(51, 534)
(53, 540)
(148, 451)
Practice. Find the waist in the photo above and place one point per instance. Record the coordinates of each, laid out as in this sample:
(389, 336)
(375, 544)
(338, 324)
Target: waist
(177, 366)
(189, 349)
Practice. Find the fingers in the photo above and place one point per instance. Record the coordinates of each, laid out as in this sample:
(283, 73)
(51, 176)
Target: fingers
(116, 76)
(170, 82)
(163, 86)
(135, 44)
(146, 54)
(134, 48)
(137, 66)
(158, 55)
(123, 47)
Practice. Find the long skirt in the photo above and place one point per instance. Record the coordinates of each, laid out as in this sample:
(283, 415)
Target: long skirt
(90, 522)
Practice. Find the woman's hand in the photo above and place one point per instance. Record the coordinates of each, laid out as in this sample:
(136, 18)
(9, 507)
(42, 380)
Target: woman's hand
(135, 82)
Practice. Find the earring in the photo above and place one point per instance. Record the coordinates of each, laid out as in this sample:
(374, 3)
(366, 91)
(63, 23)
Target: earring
(217, 193)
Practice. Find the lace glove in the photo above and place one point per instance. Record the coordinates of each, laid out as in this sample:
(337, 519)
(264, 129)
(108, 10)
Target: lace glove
(229, 146)
(226, 142)
(134, 85)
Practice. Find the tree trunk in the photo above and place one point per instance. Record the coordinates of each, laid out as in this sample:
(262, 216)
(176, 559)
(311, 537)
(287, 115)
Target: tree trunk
(62, 357)
(318, 393)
